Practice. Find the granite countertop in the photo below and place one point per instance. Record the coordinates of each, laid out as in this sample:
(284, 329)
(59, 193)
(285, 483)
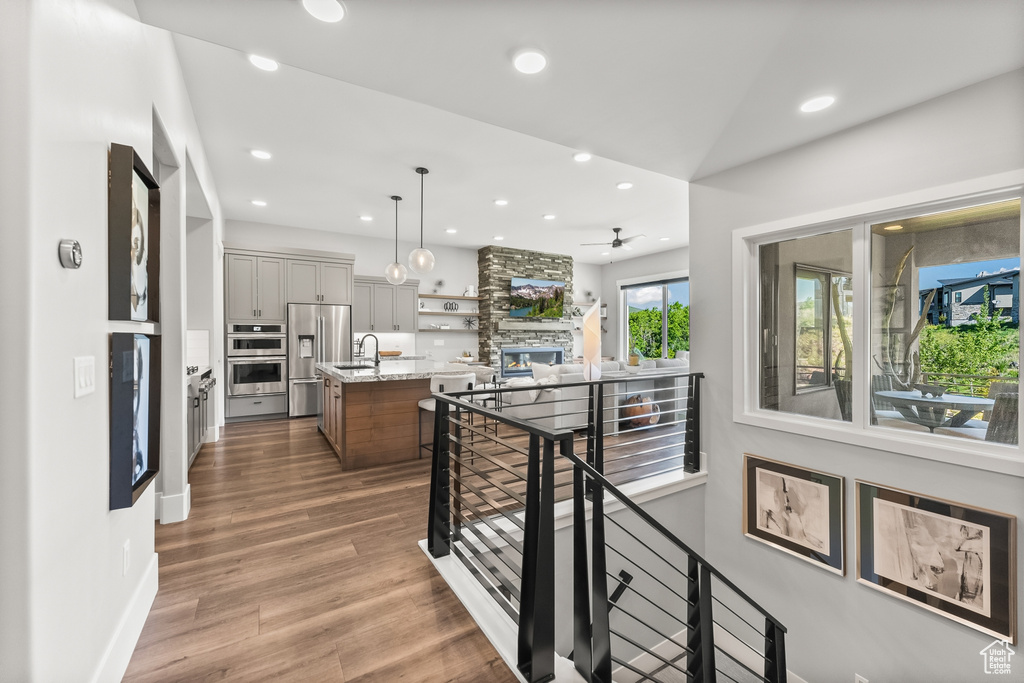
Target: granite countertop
(390, 371)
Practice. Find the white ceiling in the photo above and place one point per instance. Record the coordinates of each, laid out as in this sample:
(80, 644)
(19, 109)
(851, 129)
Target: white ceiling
(661, 91)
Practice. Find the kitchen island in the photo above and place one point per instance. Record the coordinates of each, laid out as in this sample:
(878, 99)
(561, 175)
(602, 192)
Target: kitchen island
(370, 416)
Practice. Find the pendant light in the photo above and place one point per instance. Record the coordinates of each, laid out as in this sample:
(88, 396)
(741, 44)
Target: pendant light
(421, 260)
(396, 272)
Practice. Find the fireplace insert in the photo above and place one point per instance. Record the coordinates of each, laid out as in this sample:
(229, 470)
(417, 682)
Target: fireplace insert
(519, 362)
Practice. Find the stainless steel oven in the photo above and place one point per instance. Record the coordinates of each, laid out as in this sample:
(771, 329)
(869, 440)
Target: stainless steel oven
(257, 340)
(257, 375)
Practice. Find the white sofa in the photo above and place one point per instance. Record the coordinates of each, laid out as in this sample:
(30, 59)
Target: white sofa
(542, 400)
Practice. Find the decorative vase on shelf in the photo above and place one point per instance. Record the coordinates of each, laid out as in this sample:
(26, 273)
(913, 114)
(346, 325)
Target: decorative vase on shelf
(470, 291)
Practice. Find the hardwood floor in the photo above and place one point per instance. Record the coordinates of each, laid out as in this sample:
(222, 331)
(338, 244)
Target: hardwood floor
(290, 569)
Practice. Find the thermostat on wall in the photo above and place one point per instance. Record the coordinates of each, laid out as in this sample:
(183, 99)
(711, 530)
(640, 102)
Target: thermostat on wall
(70, 253)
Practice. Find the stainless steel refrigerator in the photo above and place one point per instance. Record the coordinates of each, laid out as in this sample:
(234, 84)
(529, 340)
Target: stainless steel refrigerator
(317, 333)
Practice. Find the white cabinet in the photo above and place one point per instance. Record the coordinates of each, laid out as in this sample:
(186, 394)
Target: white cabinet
(379, 306)
(254, 288)
(319, 282)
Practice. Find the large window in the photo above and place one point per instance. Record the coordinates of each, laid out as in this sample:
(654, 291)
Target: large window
(934, 347)
(658, 323)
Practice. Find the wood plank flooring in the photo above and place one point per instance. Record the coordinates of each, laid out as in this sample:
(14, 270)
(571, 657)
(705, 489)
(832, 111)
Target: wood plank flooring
(290, 569)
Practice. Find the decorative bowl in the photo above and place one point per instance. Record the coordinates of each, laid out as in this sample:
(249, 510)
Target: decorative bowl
(930, 390)
(390, 353)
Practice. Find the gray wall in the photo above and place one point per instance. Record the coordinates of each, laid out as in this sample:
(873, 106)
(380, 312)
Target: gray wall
(837, 626)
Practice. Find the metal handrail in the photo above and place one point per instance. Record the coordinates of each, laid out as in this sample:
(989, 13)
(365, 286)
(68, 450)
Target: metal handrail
(672, 538)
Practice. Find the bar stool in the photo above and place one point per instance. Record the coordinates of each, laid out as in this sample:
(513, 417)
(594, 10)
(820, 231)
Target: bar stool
(440, 384)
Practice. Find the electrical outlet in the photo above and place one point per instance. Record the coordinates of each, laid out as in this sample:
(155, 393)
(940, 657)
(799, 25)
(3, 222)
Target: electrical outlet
(439, 342)
(125, 556)
(85, 375)
(857, 678)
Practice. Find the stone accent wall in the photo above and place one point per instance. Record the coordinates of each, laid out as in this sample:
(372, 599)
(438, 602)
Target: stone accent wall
(497, 266)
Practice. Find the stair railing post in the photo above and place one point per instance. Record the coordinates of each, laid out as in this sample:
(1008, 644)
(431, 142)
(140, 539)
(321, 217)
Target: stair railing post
(438, 532)
(591, 431)
(456, 456)
(601, 630)
(707, 627)
(536, 651)
(583, 653)
(694, 662)
(598, 463)
(691, 450)
(774, 653)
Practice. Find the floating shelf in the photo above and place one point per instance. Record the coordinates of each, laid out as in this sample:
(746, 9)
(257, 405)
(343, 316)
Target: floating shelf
(450, 329)
(451, 298)
(458, 313)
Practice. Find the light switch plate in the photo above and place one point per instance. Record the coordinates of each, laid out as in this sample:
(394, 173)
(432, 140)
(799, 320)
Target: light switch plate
(85, 375)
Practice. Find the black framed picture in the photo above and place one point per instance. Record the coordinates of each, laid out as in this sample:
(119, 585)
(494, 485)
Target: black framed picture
(949, 558)
(133, 238)
(134, 416)
(797, 510)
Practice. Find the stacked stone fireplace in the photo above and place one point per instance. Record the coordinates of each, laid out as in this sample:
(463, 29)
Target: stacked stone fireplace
(498, 330)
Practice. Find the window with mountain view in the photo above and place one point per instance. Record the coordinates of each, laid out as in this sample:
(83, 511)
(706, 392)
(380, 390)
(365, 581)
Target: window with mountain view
(659, 318)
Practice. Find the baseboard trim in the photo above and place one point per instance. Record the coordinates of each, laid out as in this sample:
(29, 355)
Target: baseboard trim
(175, 508)
(119, 652)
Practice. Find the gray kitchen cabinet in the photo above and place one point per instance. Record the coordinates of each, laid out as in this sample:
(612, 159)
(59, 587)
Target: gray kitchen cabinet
(335, 283)
(362, 306)
(379, 306)
(255, 288)
(319, 282)
(303, 282)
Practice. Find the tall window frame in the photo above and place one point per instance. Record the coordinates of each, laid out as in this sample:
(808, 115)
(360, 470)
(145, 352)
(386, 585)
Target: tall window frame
(746, 244)
(622, 333)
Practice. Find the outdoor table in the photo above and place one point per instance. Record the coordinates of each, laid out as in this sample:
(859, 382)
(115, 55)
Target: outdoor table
(930, 411)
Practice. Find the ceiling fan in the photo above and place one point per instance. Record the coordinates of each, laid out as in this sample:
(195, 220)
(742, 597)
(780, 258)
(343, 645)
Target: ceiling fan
(617, 242)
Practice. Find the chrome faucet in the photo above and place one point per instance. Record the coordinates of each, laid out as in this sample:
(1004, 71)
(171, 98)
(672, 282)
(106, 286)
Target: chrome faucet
(361, 348)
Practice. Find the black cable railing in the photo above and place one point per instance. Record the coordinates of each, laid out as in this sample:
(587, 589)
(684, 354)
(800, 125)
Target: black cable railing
(503, 459)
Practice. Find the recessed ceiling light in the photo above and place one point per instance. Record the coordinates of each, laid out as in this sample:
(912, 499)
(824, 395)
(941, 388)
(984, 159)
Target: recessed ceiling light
(581, 156)
(664, 239)
(260, 154)
(258, 202)
(549, 216)
(330, 11)
(817, 104)
(625, 185)
(604, 253)
(498, 238)
(501, 202)
(893, 227)
(265, 63)
(366, 218)
(530, 61)
(451, 231)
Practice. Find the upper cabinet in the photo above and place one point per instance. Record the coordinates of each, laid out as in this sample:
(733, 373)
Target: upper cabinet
(319, 282)
(254, 288)
(259, 285)
(379, 306)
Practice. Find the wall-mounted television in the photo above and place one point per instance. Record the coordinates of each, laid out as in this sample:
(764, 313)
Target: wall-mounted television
(536, 298)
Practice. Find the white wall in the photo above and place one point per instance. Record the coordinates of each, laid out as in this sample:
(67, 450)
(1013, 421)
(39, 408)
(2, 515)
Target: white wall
(18, 389)
(836, 626)
(653, 266)
(95, 75)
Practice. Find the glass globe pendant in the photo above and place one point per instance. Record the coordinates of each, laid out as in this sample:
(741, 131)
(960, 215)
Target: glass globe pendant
(421, 260)
(396, 272)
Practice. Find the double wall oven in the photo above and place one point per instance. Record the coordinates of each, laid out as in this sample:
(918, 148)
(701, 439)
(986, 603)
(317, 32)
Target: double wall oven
(257, 360)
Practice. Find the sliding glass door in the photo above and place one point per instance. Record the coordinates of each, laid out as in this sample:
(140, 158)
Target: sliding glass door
(658, 318)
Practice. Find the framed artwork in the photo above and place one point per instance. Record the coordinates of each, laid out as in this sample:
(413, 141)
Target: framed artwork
(796, 510)
(134, 416)
(946, 557)
(133, 238)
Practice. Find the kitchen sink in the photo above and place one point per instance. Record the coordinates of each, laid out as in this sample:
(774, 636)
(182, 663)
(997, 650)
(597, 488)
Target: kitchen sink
(355, 366)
